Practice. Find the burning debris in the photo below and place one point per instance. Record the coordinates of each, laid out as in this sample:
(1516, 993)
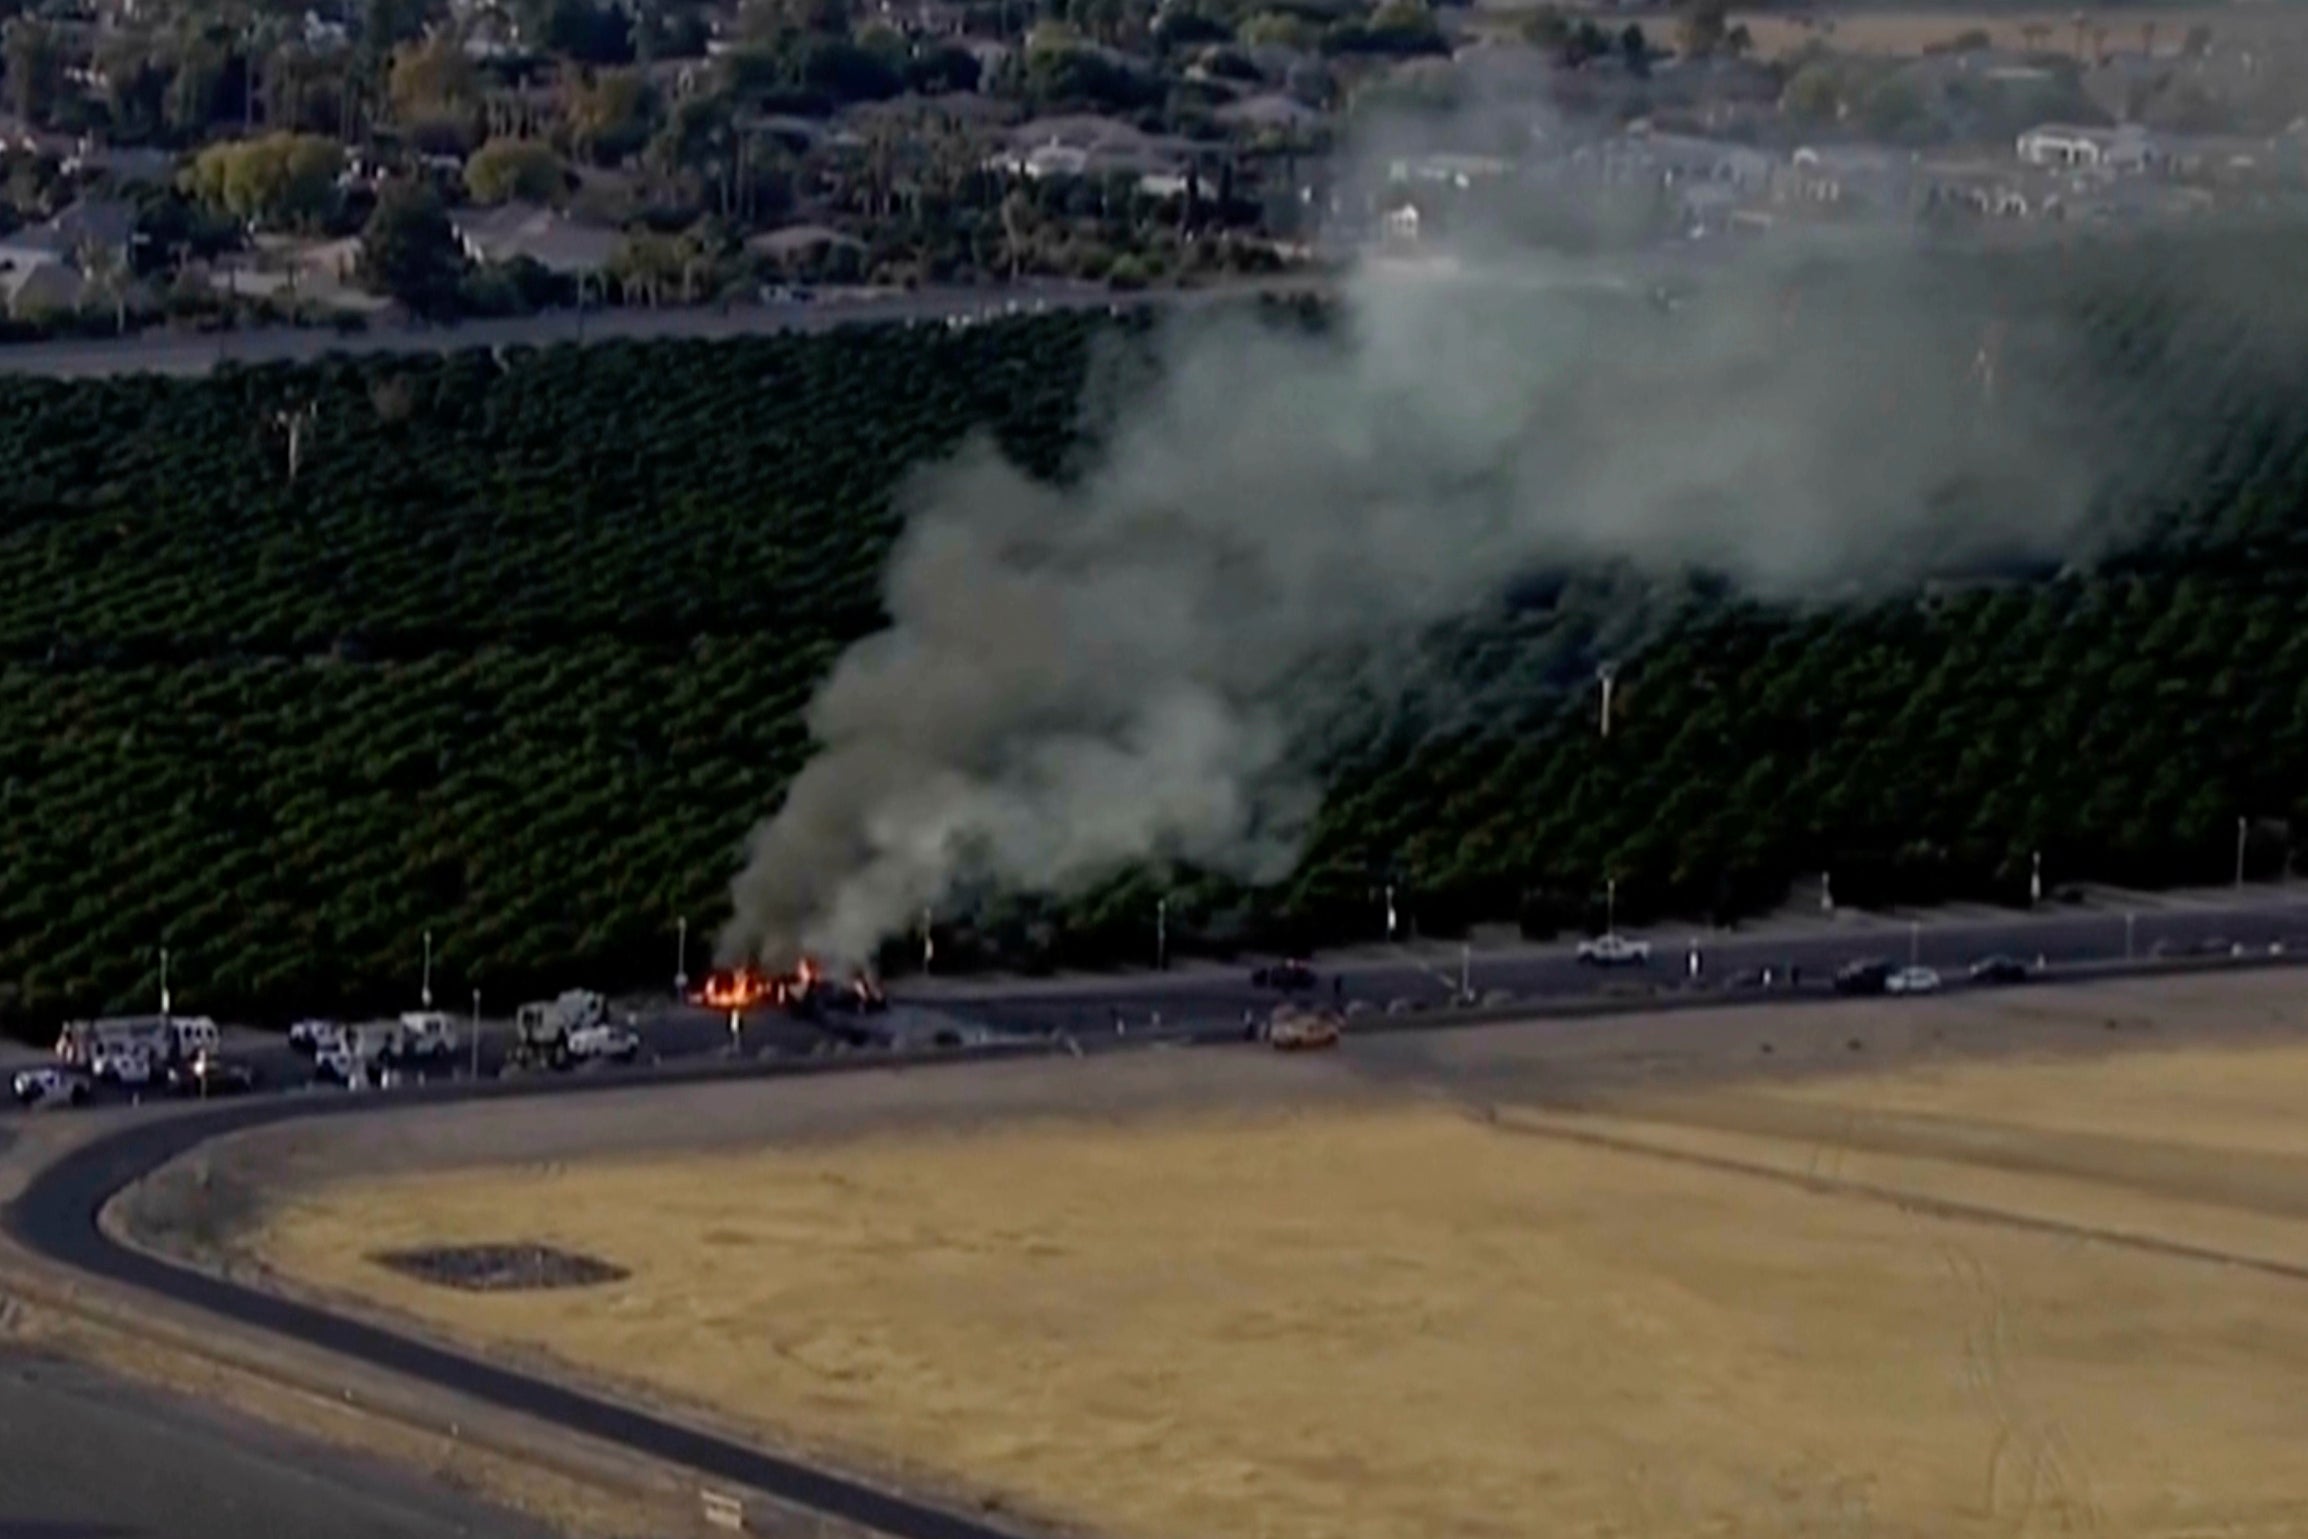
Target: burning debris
(805, 992)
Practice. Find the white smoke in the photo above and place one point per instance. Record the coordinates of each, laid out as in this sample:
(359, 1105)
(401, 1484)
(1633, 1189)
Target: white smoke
(1078, 678)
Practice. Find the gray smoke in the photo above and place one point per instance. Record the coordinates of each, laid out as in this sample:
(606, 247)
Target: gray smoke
(1078, 678)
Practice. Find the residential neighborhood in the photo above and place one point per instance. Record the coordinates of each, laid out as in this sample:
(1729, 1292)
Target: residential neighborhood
(176, 162)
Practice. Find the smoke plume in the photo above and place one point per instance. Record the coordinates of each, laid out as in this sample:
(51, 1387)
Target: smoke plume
(1077, 678)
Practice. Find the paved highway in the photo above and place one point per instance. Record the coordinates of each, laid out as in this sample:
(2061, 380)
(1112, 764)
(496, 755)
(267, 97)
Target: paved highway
(86, 1456)
(1206, 997)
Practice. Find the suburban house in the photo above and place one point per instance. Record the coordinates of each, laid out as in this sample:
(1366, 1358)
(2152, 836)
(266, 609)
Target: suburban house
(1852, 175)
(798, 241)
(2125, 148)
(1088, 146)
(551, 239)
(48, 266)
(41, 289)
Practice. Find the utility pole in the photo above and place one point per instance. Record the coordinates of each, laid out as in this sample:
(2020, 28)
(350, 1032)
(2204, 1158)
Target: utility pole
(293, 422)
(425, 990)
(1161, 935)
(681, 956)
(476, 1033)
(1605, 674)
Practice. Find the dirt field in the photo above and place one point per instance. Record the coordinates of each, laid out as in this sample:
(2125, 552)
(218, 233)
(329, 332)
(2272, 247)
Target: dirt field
(1910, 30)
(2039, 1271)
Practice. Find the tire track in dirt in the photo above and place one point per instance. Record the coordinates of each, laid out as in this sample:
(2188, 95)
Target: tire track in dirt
(1518, 1123)
(2258, 1182)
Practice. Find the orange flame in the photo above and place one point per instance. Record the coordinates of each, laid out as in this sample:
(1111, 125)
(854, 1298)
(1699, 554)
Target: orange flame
(738, 990)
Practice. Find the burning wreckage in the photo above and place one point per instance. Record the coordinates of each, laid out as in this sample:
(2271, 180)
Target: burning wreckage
(806, 994)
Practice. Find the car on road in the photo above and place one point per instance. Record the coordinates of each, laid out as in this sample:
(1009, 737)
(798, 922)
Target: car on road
(1868, 975)
(312, 1035)
(1289, 977)
(206, 1076)
(48, 1087)
(1913, 980)
(604, 1042)
(1614, 951)
(2000, 969)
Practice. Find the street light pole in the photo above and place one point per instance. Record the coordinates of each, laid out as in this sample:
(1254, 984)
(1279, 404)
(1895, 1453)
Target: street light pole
(1605, 673)
(2242, 824)
(1161, 935)
(164, 983)
(2036, 878)
(425, 990)
(681, 956)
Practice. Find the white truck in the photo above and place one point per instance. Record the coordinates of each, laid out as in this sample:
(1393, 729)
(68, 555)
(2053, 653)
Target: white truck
(574, 1027)
(81, 1043)
(426, 1037)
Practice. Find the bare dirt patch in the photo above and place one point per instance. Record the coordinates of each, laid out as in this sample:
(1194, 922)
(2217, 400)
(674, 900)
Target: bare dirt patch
(1893, 29)
(500, 1268)
(1986, 1275)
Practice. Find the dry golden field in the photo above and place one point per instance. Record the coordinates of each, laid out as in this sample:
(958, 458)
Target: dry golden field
(1952, 1299)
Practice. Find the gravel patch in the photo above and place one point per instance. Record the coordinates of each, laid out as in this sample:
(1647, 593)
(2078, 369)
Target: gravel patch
(501, 1268)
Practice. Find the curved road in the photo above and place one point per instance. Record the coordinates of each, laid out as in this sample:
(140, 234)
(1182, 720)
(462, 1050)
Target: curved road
(56, 1215)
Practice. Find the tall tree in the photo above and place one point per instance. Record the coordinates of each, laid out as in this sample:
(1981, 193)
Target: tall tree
(409, 250)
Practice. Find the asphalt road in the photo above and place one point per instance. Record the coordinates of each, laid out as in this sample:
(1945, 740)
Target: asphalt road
(86, 1456)
(193, 354)
(1207, 997)
(56, 1215)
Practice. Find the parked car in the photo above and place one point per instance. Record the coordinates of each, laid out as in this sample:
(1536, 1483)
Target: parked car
(1614, 951)
(1912, 980)
(49, 1087)
(1288, 976)
(1869, 975)
(2000, 969)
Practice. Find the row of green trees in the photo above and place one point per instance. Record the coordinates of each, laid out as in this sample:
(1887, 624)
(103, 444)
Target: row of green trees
(521, 650)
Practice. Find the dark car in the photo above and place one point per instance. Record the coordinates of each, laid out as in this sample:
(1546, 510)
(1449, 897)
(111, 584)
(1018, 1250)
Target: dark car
(1869, 976)
(1286, 976)
(209, 1076)
(2000, 969)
